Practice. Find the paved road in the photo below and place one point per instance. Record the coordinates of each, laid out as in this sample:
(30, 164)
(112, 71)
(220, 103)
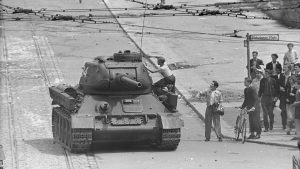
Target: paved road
(39, 53)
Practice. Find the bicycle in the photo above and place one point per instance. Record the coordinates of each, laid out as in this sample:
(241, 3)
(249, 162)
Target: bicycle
(241, 124)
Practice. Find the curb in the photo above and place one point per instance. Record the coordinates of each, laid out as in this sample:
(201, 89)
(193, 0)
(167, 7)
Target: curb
(271, 144)
(188, 103)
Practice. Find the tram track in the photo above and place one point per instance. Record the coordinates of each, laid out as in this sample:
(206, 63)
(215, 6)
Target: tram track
(49, 71)
(10, 112)
(89, 159)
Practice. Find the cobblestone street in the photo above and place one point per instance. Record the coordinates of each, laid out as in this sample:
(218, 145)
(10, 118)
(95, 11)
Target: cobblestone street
(37, 53)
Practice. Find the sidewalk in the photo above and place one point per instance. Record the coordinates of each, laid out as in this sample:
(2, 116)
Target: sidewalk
(276, 137)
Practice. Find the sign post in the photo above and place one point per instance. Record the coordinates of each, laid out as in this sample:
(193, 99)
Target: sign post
(257, 37)
(246, 43)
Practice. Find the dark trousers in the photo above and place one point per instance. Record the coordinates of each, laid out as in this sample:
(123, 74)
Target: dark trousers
(166, 81)
(254, 120)
(268, 107)
(210, 117)
(283, 117)
(282, 106)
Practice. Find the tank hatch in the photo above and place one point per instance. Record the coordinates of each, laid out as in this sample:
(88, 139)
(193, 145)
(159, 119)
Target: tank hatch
(127, 56)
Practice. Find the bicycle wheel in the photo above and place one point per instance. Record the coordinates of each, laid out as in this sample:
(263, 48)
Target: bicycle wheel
(244, 131)
(238, 128)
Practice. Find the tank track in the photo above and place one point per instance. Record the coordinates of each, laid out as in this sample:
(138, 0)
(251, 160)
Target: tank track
(74, 140)
(170, 139)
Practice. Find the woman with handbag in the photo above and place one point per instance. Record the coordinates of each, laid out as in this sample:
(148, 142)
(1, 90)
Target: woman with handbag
(213, 109)
(251, 102)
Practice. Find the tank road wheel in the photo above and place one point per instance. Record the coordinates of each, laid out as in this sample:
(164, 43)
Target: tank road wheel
(75, 140)
(61, 129)
(54, 124)
(170, 139)
(69, 135)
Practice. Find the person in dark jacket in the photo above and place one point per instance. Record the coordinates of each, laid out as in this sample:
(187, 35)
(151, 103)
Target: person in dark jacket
(273, 65)
(250, 102)
(282, 81)
(296, 105)
(290, 99)
(269, 94)
(255, 64)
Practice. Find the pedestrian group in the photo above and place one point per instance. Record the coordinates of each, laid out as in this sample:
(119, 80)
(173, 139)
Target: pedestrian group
(264, 88)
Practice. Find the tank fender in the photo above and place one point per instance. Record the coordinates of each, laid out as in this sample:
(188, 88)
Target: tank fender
(170, 121)
(83, 122)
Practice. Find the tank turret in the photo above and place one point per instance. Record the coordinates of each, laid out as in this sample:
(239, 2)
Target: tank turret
(124, 73)
(114, 103)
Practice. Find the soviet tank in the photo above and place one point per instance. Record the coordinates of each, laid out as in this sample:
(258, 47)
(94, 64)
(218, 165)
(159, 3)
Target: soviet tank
(113, 103)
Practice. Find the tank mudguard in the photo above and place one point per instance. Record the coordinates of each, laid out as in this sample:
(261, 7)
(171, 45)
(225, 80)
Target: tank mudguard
(170, 121)
(83, 122)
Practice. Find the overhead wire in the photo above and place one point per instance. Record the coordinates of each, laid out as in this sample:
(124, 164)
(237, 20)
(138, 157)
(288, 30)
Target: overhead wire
(183, 13)
(157, 28)
(143, 27)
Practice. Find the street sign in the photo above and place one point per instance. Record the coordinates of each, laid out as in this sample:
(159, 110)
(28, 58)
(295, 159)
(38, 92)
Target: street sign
(264, 37)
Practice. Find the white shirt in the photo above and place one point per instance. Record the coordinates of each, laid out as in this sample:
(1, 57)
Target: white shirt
(211, 97)
(274, 68)
(290, 57)
(165, 71)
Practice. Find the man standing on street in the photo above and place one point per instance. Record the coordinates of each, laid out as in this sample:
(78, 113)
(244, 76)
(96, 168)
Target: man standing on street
(273, 65)
(282, 80)
(290, 99)
(213, 99)
(269, 94)
(291, 56)
(255, 64)
(296, 105)
(250, 102)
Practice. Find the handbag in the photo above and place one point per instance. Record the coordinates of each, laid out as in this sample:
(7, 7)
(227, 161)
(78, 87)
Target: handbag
(219, 109)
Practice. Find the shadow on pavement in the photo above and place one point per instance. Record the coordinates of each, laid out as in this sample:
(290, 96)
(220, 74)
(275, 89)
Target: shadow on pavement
(46, 146)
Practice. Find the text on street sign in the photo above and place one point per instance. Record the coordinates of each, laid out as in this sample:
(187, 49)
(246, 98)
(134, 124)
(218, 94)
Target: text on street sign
(264, 37)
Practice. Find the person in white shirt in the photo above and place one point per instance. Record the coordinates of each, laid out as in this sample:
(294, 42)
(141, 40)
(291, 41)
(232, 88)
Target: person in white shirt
(168, 80)
(213, 99)
(291, 56)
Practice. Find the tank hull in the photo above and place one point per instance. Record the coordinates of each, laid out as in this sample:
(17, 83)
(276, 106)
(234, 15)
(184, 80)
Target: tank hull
(163, 132)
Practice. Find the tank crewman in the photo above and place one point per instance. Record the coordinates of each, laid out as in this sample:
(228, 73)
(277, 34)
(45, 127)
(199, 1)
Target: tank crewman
(169, 78)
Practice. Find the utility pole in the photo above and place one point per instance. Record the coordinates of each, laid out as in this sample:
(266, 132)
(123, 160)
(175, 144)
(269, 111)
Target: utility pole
(248, 52)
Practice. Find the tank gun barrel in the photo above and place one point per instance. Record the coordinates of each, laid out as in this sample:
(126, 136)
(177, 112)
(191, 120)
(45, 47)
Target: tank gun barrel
(126, 80)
